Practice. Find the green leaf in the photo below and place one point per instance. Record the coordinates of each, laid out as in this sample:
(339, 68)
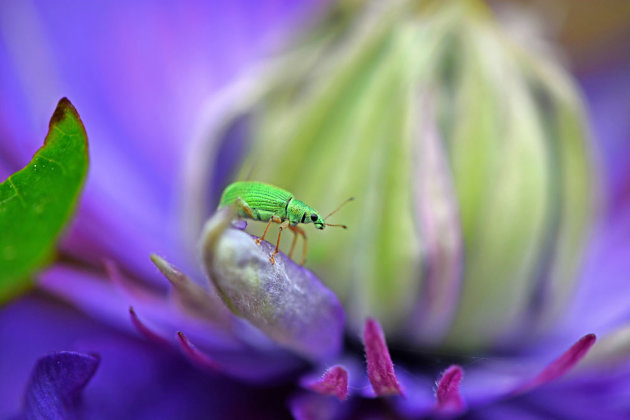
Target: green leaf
(37, 201)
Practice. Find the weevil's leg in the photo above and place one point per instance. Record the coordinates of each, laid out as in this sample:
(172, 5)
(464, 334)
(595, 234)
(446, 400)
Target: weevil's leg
(245, 207)
(295, 236)
(272, 219)
(282, 226)
(304, 248)
(262, 238)
(297, 230)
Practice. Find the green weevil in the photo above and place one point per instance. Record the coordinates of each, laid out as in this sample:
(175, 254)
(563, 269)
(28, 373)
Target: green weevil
(268, 203)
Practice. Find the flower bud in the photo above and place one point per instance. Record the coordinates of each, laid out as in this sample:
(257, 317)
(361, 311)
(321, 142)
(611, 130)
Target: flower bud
(466, 151)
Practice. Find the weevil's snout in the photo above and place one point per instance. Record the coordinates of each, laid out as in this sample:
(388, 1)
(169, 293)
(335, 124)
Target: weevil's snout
(317, 220)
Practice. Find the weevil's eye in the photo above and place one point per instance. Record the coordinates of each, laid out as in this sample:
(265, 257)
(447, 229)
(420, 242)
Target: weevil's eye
(314, 217)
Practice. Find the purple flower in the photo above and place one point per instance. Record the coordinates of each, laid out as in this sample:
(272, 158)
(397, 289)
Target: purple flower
(107, 335)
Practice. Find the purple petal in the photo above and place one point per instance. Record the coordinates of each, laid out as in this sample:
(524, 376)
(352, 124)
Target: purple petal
(601, 299)
(560, 366)
(199, 358)
(333, 382)
(250, 365)
(449, 399)
(136, 379)
(315, 407)
(607, 91)
(144, 330)
(87, 290)
(419, 401)
(379, 363)
(56, 384)
(30, 328)
(122, 282)
(252, 357)
(285, 301)
(91, 292)
(213, 159)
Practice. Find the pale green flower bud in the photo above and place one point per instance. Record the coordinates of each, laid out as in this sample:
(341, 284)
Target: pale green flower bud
(466, 152)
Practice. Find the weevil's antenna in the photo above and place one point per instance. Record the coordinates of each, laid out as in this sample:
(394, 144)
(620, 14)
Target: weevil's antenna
(342, 226)
(337, 209)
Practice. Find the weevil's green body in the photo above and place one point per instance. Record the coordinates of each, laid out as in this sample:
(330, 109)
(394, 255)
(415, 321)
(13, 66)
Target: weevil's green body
(264, 201)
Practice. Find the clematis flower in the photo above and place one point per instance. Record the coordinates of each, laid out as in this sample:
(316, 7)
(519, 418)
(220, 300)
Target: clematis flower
(468, 154)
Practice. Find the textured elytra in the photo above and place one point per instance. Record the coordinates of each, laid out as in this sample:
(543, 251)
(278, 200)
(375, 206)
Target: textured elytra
(257, 195)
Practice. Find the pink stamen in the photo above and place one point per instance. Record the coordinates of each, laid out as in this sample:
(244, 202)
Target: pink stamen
(379, 363)
(448, 396)
(333, 382)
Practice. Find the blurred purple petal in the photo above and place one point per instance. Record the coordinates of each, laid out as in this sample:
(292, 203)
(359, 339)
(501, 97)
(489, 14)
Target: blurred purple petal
(56, 384)
(379, 363)
(315, 407)
(601, 300)
(285, 301)
(195, 355)
(135, 380)
(607, 92)
(560, 366)
(449, 400)
(213, 158)
(495, 378)
(144, 330)
(122, 282)
(31, 326)
(333, 382)
(601, 397)
(240, 351)
(419, 387)
(89, 291)
(222, 161)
